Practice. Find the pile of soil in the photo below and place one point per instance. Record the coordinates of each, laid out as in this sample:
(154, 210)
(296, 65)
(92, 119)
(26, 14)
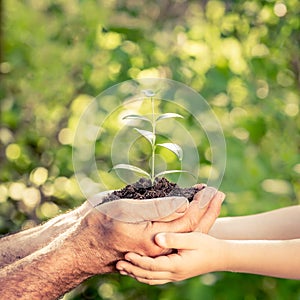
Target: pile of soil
(143, 189)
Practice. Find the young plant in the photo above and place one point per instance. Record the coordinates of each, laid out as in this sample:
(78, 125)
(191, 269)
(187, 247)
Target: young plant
(150, 136)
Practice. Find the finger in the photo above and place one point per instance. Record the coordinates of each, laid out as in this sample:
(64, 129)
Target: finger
(180, 211)
(204, 196)
(131, 269)
(147, 281)
(178, 240)
(136, 272)
(151, 281)
(196, 210)
(212, 213)
(133, 211)
(159, 263)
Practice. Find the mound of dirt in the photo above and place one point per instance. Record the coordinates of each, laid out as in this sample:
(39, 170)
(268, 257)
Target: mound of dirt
(143, 189)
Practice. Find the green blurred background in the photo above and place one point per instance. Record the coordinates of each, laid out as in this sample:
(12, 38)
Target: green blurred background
(242, 56)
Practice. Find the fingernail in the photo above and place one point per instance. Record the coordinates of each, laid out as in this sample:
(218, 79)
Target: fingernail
(222, 196)
(206, 195)
(128, 257)
(123, 273)
(160, 238)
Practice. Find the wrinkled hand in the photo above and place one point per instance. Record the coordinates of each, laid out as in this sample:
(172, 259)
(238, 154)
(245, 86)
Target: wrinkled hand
(197, 254)
(107, 239)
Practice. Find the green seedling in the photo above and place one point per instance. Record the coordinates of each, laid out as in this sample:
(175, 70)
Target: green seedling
(150, 136)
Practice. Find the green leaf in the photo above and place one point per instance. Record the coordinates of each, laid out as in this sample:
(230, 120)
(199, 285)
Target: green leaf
(168, 116)
(137, 117)
(147, 134)
(174, 148)
(172, 171)
(131, 168)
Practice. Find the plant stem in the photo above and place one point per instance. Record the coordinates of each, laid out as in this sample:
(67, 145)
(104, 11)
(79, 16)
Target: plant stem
(153, 142)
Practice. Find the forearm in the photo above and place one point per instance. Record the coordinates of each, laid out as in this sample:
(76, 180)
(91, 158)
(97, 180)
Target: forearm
(278, 224)
(270, 258)
(16, 246)
(51, 271)
(45, 274)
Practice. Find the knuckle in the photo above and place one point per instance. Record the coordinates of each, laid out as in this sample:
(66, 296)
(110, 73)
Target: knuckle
(152, 266)
(148, 276)
(176, 270)
(192, 223)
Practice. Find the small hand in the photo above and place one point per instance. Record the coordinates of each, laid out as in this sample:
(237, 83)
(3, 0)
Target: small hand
(197, 254)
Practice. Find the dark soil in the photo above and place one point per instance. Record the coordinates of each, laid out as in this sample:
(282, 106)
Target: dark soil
(143, 189)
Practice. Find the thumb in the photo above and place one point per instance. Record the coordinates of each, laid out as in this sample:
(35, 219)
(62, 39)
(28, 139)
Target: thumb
(211, 213)
(178, 240)
(190, 221)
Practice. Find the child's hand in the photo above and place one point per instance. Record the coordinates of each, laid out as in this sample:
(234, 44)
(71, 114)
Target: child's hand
(197, 254)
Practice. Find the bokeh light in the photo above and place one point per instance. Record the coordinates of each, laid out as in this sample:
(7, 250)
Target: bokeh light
(242, 56)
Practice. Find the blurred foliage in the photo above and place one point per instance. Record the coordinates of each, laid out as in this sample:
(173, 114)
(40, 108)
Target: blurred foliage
(242, 56)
